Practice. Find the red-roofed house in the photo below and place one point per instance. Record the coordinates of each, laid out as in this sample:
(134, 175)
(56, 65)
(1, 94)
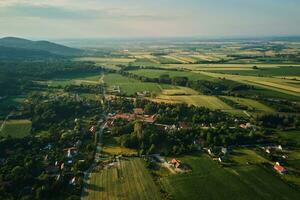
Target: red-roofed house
(280, 169)
(138, 111)
(175, 162)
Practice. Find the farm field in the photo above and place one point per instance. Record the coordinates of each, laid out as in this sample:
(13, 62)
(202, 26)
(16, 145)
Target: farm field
(278, 71)
(250, 104)
(209, 181)
(208, 67)
(154, 73)
(245, 156)
(179, 91)
(128, 179)
(75, 79)
(280, 85)
(15, 128)
(130, 86)
(108, 62)
(293, 136)
(211, 102)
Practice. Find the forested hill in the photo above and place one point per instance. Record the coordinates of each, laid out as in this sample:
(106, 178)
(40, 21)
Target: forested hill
(42, 46)
(21, 53)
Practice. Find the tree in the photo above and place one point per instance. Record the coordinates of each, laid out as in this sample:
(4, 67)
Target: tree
(151, 149)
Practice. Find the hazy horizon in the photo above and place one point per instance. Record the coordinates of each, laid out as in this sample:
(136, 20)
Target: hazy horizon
(144, 18)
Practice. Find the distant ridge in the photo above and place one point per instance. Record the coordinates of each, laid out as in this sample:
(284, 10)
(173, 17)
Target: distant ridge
(37, 47)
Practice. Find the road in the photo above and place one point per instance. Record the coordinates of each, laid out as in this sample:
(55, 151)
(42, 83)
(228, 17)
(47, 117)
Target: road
(99, 144)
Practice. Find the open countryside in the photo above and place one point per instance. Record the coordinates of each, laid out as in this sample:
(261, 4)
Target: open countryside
(150, 100)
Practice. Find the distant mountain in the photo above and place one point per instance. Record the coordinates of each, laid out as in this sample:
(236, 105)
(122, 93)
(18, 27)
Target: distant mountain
(44, 46)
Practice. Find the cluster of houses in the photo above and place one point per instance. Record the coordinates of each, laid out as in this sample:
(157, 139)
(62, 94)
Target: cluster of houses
(277, 152)
(220, 153)
(136, 115)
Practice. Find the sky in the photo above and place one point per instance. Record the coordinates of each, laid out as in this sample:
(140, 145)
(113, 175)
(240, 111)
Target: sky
(148, 18)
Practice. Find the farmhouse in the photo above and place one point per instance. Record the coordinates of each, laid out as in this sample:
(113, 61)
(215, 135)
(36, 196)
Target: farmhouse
(280, 169)
(175, 163)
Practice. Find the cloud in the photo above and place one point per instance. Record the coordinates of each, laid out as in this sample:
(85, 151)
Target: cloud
(68, 13)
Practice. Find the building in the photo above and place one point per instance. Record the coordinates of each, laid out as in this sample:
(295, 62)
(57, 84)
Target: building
(138, 111)
(224, 150)
(183, 125)
(280, 169)
(175, 163)
(93, 129)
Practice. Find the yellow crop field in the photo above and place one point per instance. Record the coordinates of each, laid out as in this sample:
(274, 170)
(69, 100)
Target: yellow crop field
(179, 91)
(276, 84)
(211, 102)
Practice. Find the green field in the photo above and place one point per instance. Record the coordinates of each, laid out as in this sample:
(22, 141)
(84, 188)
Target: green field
(179, 91)
(293, 136)
(250, 104)
(130, 86)
(276, 71)
(15, 128)
(75, 79)
(211, 102)
(154, 73)
(244, 156)
(129, 179)
(275, 84)
(209, 181)
(112, 147)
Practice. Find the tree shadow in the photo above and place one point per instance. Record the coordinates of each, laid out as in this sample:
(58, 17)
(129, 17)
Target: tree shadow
(94, 187)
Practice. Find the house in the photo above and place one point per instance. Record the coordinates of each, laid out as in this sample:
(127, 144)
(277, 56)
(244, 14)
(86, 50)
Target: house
(72, 181)
(93, 129)
(183, 125)
(175, 163)
(71, 152)
(280, 147)
(148, 119)
(280, 169)
(123, 116)
(224, 150)
(245, 126)
(138, 111)
(209, 151)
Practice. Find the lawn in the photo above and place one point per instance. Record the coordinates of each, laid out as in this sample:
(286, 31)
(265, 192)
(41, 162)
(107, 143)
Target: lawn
(128, 179)
(130, 86)
(15, 128)
(251, 104)
(211, 102)
(210, 181)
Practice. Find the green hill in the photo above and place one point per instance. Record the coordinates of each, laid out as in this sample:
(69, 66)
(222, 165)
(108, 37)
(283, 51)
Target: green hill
(45, 46)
